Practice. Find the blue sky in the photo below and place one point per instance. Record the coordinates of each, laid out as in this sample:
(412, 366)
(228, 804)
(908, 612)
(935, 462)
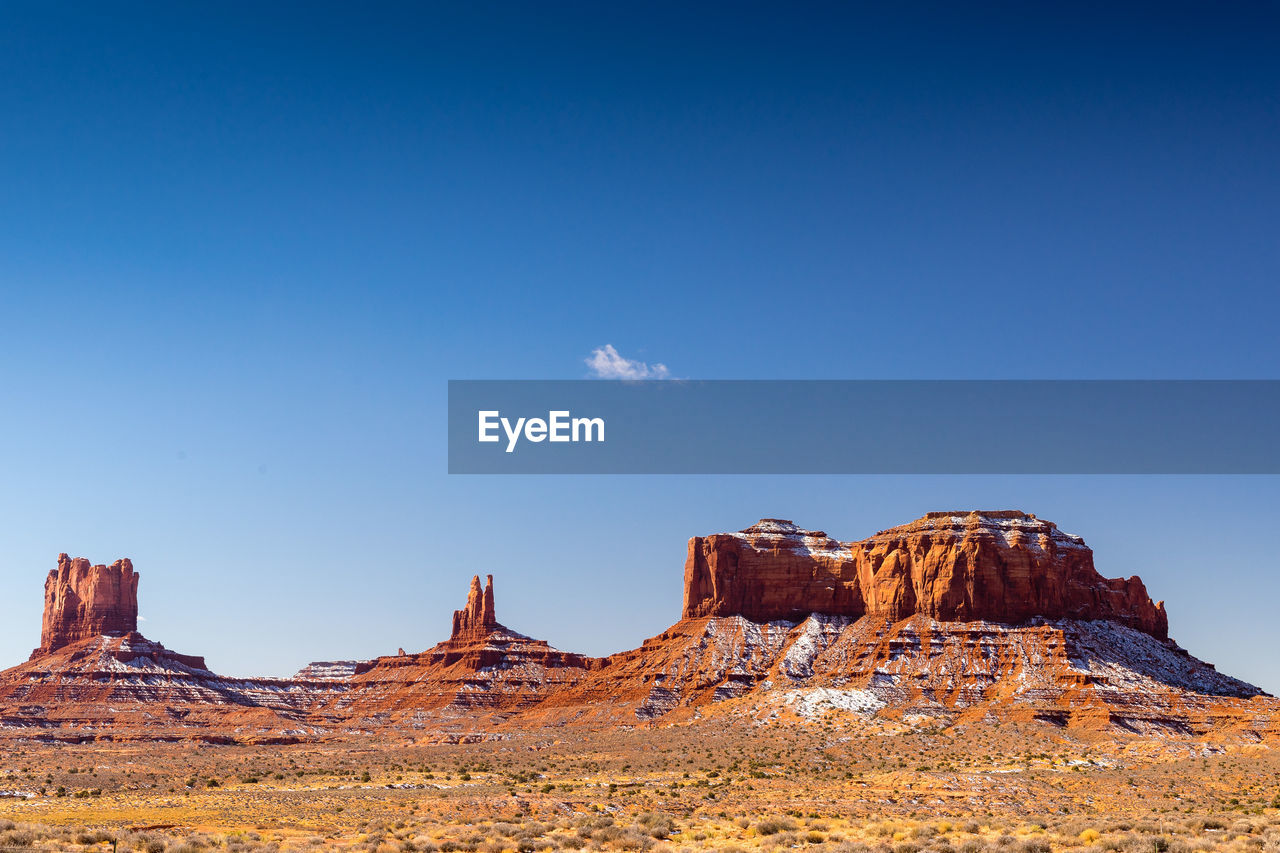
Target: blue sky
(243, 250)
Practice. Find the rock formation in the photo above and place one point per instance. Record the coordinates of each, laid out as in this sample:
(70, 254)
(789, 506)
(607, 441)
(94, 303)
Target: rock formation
(954, 617)
(132, 688)
(83, 600)
(771, 570)
(327, 670)
(1064, 672)
(94, 676)
(476, 620)
(483, 665)
(1004, 566)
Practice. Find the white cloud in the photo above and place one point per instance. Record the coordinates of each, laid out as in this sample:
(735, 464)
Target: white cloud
(606, 363)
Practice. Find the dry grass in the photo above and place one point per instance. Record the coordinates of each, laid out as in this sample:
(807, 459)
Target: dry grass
(713, 785)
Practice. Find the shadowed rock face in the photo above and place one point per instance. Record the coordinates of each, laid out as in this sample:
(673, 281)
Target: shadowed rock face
(83, 600)
(1003, 566)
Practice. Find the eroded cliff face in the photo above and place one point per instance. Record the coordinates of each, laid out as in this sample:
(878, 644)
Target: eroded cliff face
(83, 600)
(1003, 566)
(771, 570)
(484, 667)
(996, 566)
(476, 620)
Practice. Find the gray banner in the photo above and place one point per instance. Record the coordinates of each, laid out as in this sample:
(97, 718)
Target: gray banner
(863, 427)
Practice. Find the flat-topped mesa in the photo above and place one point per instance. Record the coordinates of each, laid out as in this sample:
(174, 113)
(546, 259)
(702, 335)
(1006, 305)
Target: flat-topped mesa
(1000, 566)
(476, 620)
(83, 601)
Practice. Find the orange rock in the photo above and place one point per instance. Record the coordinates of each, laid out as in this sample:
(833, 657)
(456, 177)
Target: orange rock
(771, 570)
(1003, 566)
(955, 616)
(82, 601)
(476, 619)
(483, 665)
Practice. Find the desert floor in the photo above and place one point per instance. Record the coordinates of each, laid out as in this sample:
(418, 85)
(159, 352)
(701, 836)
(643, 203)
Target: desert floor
(833, 783)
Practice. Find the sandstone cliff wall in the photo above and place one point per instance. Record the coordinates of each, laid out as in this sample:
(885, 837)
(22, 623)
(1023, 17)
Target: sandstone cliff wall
(83, 600)
(1004, 566)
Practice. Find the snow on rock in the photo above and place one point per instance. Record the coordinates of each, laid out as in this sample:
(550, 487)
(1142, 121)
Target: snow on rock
(814, 702)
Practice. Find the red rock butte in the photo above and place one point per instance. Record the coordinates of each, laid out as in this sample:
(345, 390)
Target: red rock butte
(483, 664)
(476, 621)
(999, 566)
(83, 600)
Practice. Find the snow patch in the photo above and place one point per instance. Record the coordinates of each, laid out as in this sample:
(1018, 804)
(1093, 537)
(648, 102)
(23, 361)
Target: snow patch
(816, 701)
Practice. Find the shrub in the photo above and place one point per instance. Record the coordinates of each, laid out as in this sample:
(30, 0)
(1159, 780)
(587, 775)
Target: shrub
(772, 826)
(657, 824)
(17, 838)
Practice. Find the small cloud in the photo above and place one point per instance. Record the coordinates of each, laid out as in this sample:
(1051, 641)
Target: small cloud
(142, 618)
(606, 363)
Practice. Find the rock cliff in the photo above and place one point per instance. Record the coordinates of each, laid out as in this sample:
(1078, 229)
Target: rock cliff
(1003, 566)
(83, 601)
(476, 620)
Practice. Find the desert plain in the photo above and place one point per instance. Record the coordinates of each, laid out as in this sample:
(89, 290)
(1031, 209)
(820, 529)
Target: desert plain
(826, 780)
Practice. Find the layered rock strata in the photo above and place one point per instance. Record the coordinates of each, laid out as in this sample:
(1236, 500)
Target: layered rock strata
(483, 665)
(1003, 566)
(83, 600)
(953, 617)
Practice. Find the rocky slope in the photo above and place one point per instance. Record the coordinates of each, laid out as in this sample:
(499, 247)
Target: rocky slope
(130, 688)
(1065, 672)
(95, 677)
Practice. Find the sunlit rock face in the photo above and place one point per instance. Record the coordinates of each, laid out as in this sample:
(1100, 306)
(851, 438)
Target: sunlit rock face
(953, 618)
(483, 666)
(83, 600)
(1002, 566)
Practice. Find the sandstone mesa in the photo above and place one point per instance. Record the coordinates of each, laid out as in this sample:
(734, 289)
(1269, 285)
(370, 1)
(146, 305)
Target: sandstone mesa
(953, 567)
(953, 617)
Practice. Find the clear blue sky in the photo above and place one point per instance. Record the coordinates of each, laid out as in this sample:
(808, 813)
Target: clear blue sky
(243, 249)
